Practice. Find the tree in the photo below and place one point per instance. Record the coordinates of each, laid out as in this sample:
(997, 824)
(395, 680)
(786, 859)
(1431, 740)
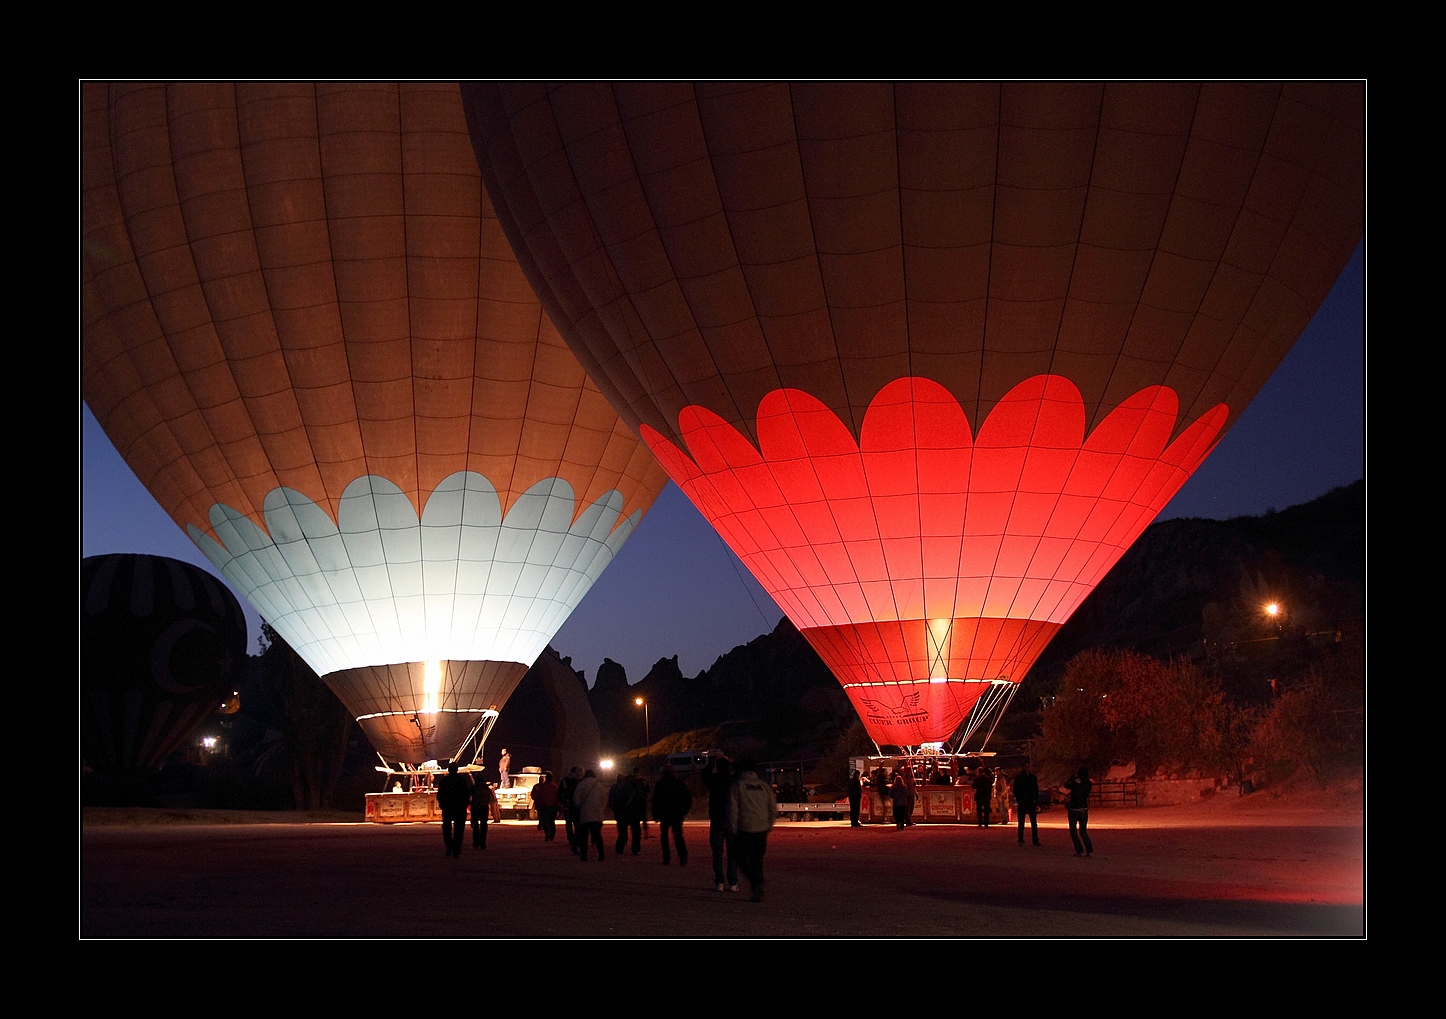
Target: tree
(1171, 715)
(1317, 723)
(1073, 730)
(1119, 705)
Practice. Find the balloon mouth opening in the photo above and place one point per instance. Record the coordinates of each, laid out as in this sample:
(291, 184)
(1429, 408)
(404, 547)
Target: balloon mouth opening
(994, 681)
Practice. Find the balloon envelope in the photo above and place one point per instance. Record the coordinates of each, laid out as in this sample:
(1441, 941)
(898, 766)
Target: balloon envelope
(929, 356)
(306, 333)
(160, 641)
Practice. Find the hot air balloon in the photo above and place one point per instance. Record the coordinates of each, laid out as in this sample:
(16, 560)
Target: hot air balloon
(929, 356)
(305, 332)
(160, 640)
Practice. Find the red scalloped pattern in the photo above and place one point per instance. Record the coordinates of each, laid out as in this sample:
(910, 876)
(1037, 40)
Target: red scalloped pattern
(922, 550)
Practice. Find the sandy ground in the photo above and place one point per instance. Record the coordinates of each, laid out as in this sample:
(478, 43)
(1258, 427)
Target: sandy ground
(1228, 869)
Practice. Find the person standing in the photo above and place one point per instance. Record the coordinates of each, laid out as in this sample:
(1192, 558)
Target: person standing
(1001, 795)
(484, 800)
(504, 769)
(544, 801)
(983, 790)
(1026, 797)
(641, 794)
(622, 802)
(718, 780)
(569, 808)
(591, 800)
(899, 797)
(856, 798)
(671, 803)
(454, 792)
(751, 812)
(1078, 786)
(908, 772)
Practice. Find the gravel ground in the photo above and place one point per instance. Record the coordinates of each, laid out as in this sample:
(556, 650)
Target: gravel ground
(1251, 868)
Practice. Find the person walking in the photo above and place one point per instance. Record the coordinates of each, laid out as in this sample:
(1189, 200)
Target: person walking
(751, 812)
(568, 807)
(484, 800)
(671, 803)
(622, 802)
(591, 801)
(454, 792)
(544, 801)
(718, 780)
(1078, 786)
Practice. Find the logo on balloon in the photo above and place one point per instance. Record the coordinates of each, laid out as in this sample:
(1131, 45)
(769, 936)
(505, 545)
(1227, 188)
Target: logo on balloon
(905, 710)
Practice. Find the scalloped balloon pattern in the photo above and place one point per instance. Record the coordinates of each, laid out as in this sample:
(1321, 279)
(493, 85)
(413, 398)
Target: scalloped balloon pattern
(378, 585)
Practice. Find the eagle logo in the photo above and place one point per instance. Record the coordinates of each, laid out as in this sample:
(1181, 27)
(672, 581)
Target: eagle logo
(907, 704)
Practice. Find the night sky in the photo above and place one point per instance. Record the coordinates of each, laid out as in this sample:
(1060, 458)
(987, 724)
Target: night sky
(676, 589)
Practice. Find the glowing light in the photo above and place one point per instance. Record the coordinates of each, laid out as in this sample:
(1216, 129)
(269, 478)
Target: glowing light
(377, 583)
(939, 649)
(606, 764)
(432, 688)
(1273, 609)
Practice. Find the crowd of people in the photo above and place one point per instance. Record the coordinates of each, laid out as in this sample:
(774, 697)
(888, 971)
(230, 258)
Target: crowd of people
(742, 808)
(994, 794)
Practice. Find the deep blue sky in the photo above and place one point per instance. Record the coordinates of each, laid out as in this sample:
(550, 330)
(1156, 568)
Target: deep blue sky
(676, 588)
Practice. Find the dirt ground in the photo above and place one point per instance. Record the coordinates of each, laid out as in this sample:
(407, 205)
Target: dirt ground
(1232, 868)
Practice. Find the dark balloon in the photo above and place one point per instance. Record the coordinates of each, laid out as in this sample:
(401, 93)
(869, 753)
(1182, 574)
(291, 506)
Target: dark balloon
(160, 640)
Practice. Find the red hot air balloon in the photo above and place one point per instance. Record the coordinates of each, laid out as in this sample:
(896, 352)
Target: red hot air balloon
(929, 356)
(306, 333)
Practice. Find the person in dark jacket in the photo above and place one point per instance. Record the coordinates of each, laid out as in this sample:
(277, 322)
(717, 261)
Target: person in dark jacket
(544, 801)
(718, 779)
(1078, 787)
(983, 790)
(454, 792)
(671, 803)
(856, 798)
(483, 800)
(568, 807)
(1026, 795)
(899, 797)
(623, 801)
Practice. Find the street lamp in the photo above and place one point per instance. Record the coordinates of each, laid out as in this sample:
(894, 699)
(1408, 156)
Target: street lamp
(647, 731)
(1275, 616)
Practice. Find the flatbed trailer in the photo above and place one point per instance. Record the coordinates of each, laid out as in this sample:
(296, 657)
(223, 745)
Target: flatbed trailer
(837, 811)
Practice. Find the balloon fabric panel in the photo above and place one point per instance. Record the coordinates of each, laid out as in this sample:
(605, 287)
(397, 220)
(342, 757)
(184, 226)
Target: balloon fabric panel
(307, 334)
(924, 556)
